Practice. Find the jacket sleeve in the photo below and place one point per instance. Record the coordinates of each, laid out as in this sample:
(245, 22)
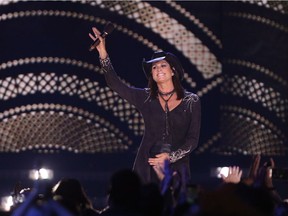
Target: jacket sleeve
(133, 95)
(192, 137)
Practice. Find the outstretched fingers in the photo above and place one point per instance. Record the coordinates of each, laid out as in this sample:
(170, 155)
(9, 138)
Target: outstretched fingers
(96, 34)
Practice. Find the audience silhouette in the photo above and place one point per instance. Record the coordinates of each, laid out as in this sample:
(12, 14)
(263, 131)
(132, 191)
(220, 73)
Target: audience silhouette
(238, 195)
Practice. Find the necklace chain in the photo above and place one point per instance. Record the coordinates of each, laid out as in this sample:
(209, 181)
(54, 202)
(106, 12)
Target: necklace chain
(166, 93)
(169, 94)
(166, 101)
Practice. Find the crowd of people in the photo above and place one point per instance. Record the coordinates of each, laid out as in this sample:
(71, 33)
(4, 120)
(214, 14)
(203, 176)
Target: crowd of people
(176, 195)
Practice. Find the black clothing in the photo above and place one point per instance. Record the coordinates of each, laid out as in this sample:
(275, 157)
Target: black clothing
(184, 124)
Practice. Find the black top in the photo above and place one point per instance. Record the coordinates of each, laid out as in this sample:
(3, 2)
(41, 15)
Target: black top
(184, 124)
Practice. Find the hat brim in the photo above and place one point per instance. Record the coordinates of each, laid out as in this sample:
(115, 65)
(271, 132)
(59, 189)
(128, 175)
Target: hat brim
(147, 65)
(155, 60)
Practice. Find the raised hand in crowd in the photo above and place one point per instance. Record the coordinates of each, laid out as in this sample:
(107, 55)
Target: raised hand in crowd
(40, 202)
(234, 175)
(261, 176)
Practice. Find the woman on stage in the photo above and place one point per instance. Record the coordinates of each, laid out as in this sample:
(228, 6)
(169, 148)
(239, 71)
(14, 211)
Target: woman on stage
(171, 115)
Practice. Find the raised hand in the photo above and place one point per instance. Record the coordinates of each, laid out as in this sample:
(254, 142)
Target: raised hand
(234, 175)
(101, 47)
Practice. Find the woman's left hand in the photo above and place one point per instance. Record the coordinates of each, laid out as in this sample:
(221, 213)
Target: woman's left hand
(159, 159)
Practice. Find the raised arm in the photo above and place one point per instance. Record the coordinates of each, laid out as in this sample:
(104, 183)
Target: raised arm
(133, 95)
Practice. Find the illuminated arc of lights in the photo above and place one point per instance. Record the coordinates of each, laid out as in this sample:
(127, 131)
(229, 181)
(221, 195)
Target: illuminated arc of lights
(259, 68)
(209, 143)
(269, 4)
(259, 19)
(210, 63)
(255, 91)
(20, 111)
(255, 116)
(196, 21)
(10, 81)
(70, 14)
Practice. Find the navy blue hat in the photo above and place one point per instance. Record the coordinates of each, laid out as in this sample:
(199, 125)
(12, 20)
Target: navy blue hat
(161, 55)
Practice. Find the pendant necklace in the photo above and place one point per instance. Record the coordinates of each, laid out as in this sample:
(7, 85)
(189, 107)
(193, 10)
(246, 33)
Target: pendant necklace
(170, 94)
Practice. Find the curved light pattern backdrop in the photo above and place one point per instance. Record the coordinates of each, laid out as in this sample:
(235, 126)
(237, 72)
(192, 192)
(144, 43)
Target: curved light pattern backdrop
(54, 97)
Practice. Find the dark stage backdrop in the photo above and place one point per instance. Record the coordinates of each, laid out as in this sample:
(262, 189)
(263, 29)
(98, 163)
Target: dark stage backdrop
(56, 109)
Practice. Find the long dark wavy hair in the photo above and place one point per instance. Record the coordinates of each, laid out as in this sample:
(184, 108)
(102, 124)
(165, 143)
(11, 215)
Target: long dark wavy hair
(153, 88)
